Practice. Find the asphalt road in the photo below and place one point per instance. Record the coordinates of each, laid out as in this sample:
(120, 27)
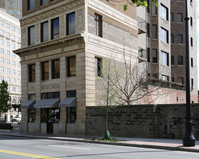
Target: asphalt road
(26, 148)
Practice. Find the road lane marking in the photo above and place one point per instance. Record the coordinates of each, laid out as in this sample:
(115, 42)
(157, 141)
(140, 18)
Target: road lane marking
(78, 148)
(26, 154)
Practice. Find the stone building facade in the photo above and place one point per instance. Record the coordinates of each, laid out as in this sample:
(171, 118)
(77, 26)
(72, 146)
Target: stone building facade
(64, 43)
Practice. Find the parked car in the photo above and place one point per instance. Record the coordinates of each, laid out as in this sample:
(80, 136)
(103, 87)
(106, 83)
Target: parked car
(17, 119)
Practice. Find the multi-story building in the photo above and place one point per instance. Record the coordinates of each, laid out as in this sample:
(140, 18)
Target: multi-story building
(64, 43)
(13, 7)
(10, 67)
(163, 46)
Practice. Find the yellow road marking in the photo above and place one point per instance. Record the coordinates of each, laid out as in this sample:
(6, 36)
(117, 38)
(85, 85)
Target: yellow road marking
(26, 154)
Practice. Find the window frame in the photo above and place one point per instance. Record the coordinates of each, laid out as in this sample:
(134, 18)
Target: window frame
(98, 24)
(55, 75)
(69, 71)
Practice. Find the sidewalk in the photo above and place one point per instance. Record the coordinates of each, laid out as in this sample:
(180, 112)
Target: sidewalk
(168, 144)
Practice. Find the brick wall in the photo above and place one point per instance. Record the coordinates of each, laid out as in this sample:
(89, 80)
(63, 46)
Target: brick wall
(150, 121)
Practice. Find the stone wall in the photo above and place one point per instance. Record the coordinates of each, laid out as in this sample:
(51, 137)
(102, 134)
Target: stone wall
(148, 121)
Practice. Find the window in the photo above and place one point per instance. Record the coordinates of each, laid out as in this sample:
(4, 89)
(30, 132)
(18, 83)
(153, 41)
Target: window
(8, 62)
(8, 79)
(71, 114)
(147, 8)
(50, 95)
(191, 62)
(11, 11)
(1, 23)
(7, 35)
(172, 17)
(71, 66)
(154, 31)
(13, 28)
(1, 32)
(180, 60)
(164, 12)
(148, 55)
(8, 26)
(45, 70)
(55, 69)
(148, 30)
(172, 38)
(1, 50)
(8, 52)
(70, 20)
(179, 17)
(154, 56)
(52, 114)
(1, 59)
(55, 28)
(8, 71)
(154, 9)
(31, 35)
(172, 60)
(164, 35)
(1, 69)
(172, 79)
(165, 78)
(191, 21)
(181, 80)
(44, 31)
(31, 4)
(31, 115)
(179, 38)
(71, 93)
(1, 41)
(191, 41)
(31, 69)
(31, 97)
(164, 58)
(98, 66)
(43, 2)
(11, 5)
(98, 25)
(192, 83)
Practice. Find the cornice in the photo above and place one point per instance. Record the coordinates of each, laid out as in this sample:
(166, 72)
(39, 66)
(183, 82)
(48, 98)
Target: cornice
(49, 45)
(50, 11)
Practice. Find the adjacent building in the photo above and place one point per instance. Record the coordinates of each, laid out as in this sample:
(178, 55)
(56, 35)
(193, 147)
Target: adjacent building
(10, 67)
(13, 7)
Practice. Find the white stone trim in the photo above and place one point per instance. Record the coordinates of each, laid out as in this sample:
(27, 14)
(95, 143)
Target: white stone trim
(113, 13)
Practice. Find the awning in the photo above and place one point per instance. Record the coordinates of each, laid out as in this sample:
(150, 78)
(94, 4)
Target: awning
(28, 104)
(69, 102)
(47, 103)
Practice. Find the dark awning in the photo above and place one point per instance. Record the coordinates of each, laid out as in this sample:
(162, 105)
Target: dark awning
(47, 103)
(28, 104)
(69, 102)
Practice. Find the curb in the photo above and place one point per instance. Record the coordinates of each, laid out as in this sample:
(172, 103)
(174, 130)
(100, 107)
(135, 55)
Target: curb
(104, 142)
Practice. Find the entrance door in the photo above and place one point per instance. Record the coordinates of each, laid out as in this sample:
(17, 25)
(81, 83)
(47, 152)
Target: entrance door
(50, 121)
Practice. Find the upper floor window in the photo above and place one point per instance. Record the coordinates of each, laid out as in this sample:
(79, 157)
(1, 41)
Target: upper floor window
(31, 69)
(98, 66)
(31, 4)
(164, 35)
(154, 9)
(179, 17)
(71, 66)
(164, 12)
(55, 28)
(154, 31)
(154, 56)
(172, 17)
(164, 58)
(191, 21)
(180, 60)
(45, 70)
(43, 2)
(31, 35)
(98, 25)
(172, 38)
(1, 23)
(70, 20)
(55, 69)
(172, 60)
(44, 31)
(179, 38)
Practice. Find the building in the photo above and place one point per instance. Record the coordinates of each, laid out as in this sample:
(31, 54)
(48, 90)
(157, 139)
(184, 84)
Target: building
(10, 68)
(163, 45)
(13, 7)
(64, 43)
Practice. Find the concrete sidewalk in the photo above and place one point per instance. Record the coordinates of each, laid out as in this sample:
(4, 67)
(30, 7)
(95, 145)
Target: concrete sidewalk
(168, 144)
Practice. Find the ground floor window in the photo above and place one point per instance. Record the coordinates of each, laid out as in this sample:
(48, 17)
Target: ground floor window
(31, 115)
(50, 115)
(71, 114)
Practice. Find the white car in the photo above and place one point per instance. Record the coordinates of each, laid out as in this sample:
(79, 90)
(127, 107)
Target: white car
(16, 119)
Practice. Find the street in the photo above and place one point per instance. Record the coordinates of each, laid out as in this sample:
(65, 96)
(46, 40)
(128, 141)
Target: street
(27, 148)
